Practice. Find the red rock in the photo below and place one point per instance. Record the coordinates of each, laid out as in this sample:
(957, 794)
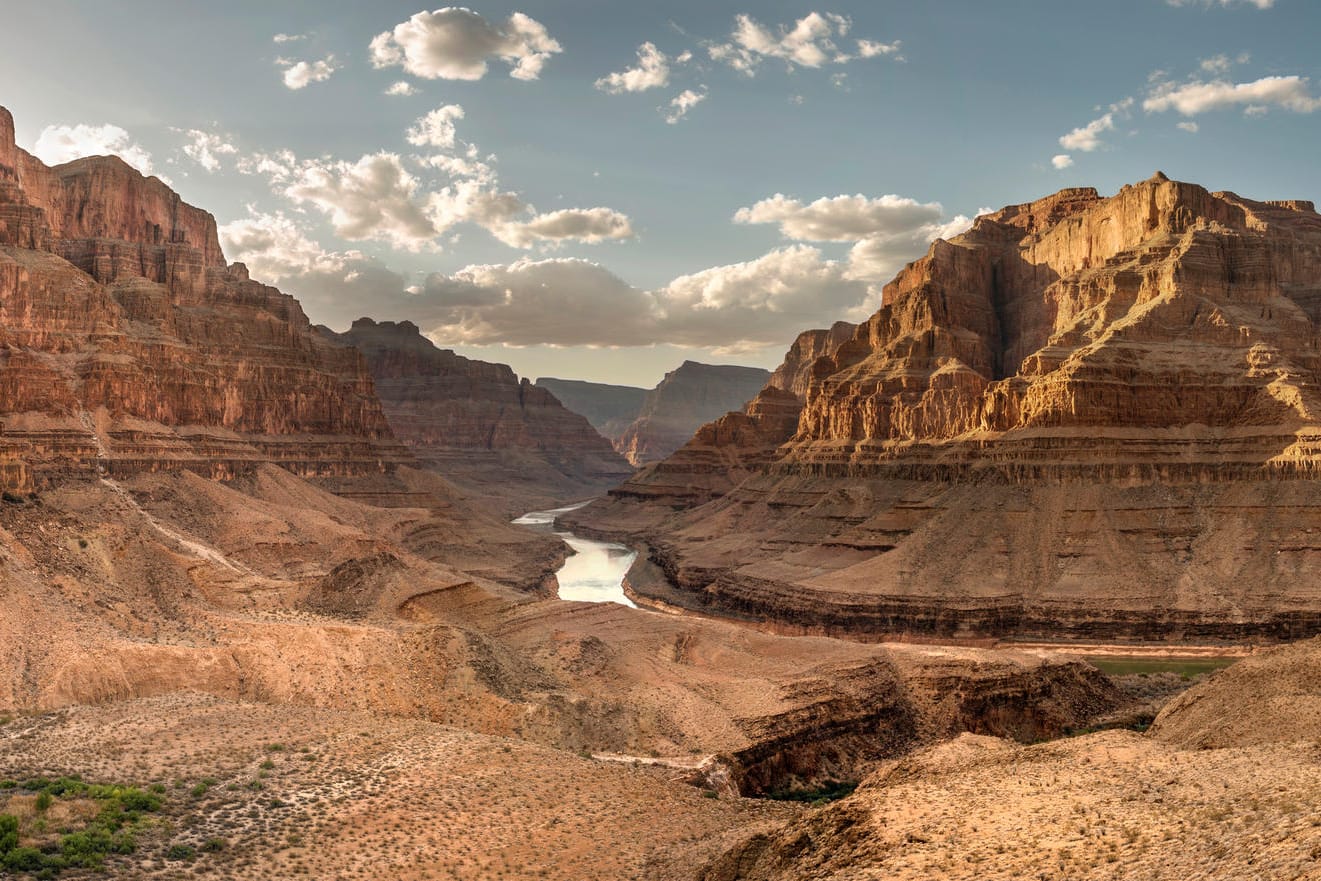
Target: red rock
(127, 344)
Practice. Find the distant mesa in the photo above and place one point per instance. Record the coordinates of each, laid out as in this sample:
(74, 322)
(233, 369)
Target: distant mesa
(647, 426)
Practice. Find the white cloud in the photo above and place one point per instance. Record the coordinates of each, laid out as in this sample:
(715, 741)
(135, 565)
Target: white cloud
(840, 218)
(681, 103)
(456, 44)
(1061, 161)
(63, 143)
(288, 38)
(588, 225)
(1260, 4)
(275, 248)
(1196, 97)
(652, 72)
(1088, 137)
(373, 198)
(1190, 127)
(810, 42)
(301, 74)
(887, 231)
(401, 89)
(436, 129)
(206, 148)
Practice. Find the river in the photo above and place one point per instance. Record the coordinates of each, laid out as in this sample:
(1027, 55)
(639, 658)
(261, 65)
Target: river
(594, 573)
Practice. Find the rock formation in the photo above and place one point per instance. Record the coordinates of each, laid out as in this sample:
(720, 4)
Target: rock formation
(127, 344)
(687, 397)
(478, 424)
(610, 408)
(1086, 416)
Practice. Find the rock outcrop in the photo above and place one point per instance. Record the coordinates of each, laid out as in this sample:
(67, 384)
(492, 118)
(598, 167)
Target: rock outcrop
(610, 408)
(1087, 416)
(127, 344)
(478, 424)
(689, 396)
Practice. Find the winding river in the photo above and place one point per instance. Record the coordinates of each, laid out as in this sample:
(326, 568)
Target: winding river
(594, 573)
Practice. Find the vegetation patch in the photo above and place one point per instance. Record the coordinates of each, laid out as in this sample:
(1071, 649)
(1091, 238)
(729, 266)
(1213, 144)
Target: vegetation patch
(49, 825)
(1137, 666)
(832, 790)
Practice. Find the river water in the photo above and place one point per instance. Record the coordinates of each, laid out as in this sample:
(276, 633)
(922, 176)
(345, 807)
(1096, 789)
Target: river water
(594, 573)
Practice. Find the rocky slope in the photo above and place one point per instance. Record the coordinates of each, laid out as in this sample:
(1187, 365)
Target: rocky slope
(127, 343)
(1218, 788)
(610, 408)
(1076, 390)
(689, 396)
(479, 425)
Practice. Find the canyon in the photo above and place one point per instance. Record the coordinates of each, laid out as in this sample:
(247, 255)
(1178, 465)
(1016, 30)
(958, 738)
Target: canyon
(213, 535)
(1084, 418)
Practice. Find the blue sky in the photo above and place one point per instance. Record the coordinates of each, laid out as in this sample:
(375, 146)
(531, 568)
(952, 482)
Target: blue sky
(562, 225)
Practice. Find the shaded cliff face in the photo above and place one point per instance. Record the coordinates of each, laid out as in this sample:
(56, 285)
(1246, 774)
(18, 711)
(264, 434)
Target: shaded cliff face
(478, 424)
(1087, 416)
(127, 344)
(689, 396)
(610, 408)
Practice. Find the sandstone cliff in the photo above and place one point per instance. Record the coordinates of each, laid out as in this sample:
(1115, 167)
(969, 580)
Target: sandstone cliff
(1085, 416)
(610, 408)
(478, 424)
(687, 397)
(127, 344)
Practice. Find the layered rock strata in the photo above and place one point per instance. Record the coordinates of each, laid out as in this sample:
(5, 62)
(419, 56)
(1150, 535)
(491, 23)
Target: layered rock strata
(1086, 416)
(127, 343)
(477, 423)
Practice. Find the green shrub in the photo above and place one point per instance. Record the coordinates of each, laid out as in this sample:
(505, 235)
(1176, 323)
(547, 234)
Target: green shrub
(214, 845)
(44, 800)
(178, 852)
(24, 859)
(8, 833)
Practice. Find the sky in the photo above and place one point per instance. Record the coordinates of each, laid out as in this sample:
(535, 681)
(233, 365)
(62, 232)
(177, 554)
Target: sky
(601, 190)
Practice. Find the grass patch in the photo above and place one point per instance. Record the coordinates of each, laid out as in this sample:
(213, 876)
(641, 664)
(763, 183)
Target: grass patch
(832, 790)
(1136, 666)
(94, 821)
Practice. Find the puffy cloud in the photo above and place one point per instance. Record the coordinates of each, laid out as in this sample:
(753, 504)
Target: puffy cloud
(373, 198)
(1196, 97)
(1260, 4)
(456, 44)
(589, 225)
(401, 89)
(841, 218)
(206, 148)
(274, 247)
(1190, 127)
(436, 129)
(809, 42)
(681, 103)
(887, 231)
(652, 72)
(63, 143)
(1062, 160)
(301, 74)
(1088, 137)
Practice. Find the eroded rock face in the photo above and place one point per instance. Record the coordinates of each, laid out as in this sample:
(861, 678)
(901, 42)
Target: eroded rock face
(1086, 416)
(689, 396)
(127, 344)
(610, 408)
(467, 417)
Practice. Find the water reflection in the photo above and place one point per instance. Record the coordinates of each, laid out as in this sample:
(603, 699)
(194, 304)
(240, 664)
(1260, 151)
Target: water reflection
(595, 571)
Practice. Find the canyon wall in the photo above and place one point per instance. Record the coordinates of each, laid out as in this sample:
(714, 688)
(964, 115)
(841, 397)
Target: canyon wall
(610, 408)
(1090, 417)
(127, 344)
(478, 424)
